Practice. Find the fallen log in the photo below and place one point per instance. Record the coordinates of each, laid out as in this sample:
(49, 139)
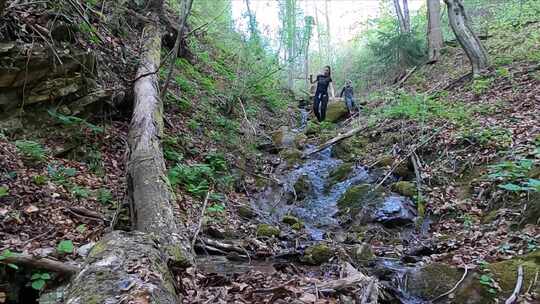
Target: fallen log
(133, 267)
(335, 140)
(124, 267)
(151, 202)
(40, 263)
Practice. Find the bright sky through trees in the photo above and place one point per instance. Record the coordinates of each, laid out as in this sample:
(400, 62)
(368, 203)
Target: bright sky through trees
(346, 16)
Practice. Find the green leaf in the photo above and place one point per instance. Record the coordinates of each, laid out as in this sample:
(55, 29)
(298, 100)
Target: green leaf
(511, 187)
(65, 246)
(4, 191)
(38, 284)
(13, 266)
(45, 276)
(36, 276)
(6, 254)
(81, 228)
(485, 278)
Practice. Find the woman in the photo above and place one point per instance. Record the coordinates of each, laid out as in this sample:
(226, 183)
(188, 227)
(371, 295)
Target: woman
(324, 80)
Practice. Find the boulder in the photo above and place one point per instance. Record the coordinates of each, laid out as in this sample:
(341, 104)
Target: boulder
(505, 272)
(404, 188)
(291, 220)
(285, 138)
(339, 174)
(336, 111)
(350, 149)
(317, 254)
(362, 254)
(395, 210)
(430, 281)
(354, 197)
(246, 212)
(292, 156)
(265, 230)
(302, 187)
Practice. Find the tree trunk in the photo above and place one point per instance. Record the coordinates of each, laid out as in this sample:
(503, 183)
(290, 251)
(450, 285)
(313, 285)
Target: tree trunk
(434, 33)
(329, 57)
(148, 186)
(403, 16)
(466, 37)
(2, 6)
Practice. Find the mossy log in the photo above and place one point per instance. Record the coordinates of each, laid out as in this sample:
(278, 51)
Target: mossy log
(133, 267)
(124, 267)
(148, 187)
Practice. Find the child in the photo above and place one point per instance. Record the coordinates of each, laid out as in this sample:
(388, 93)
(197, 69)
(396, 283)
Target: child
(349, 96)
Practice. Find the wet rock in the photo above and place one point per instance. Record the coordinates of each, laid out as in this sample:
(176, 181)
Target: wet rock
(404, 188)
(354, 196)
(339, 174)
(395, 211)
(432, 280)
(290, 220)
(505, 272)
(85, 249)
(283, 138)
(291, 156)
(312, 128)
(317, 254)
(300, 140)
(385, 161)
(246, 212)
(362, 254)
(350, 149)
(302, 187)
(336, 111)
(265, 230)
(297, 226)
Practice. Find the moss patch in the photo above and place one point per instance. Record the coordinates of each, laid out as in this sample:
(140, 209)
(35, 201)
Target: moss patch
(317, 254)
(339, 174)
(291, 156)
(291, 220)
(336, 111)
(354, 196)
(505, 272)
(265, 230)
(302, 187)
(404, 188)
(246, 212)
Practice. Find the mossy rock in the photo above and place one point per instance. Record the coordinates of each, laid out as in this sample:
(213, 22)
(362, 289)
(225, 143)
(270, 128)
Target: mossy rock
(298, 226)
(300, 140)
(246, 212)
(302, 187)
(505, 272)
(336, 111)
(291, 156)
(312, 128)
(431, 280)
(354, 196)
(362, 253)
(317, 254)
(404, 170)
(385, 161)
(339, 174)
(350, 148)
(265, 230)
(290, 220)
(404, 188)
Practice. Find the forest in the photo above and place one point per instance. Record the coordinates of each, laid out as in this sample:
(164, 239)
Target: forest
(269, 151)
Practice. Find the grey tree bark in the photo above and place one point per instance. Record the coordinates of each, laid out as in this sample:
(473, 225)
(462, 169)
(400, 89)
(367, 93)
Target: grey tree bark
(434, 32)
(133, 267)
(148, 187)
(403, 16)
(467, 39)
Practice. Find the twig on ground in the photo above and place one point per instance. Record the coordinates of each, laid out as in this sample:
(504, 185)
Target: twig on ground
(40, 263)
(405, 158)
(194, 239)
(513, 297)
(453, 288)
